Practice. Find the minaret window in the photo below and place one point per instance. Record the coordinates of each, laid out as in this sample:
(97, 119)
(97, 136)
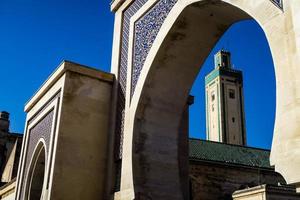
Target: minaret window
(212, 97)
(224, 61)
(231, 94)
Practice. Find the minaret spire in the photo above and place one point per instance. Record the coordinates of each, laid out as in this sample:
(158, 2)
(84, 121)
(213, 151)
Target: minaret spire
(225, 121)
(223, 59)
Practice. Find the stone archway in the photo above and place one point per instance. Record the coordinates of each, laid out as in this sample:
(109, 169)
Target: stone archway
(36, 174)
(158, 85)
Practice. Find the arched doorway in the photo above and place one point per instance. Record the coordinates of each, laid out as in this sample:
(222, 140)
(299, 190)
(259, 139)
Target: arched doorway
(153, 165)
(35, 178)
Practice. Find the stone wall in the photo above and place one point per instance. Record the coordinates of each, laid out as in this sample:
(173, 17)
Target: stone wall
(213, 181)
(10, 148)
(267, 192)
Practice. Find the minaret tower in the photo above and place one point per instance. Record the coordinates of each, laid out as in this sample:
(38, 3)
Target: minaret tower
(225, 117)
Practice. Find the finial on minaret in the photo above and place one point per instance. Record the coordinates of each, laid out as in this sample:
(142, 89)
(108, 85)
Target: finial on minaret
(223, 59)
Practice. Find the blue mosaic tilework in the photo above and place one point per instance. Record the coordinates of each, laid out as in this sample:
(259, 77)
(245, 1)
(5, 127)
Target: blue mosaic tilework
(146, 30)
(128, 13)
(278, 3)
(41, 130)
(53, 98)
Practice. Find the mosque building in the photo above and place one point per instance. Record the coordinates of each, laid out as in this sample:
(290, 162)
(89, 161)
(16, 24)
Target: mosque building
(220, 168)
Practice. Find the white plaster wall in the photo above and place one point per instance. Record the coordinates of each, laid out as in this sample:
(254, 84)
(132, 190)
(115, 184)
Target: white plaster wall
(213, 110)
(233, 110)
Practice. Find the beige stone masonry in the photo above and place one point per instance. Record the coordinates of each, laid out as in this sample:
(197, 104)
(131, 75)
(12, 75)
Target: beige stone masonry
(77, 151)
(267, 192)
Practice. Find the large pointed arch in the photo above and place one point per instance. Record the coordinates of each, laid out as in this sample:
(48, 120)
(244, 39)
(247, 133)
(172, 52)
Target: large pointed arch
(151, 147)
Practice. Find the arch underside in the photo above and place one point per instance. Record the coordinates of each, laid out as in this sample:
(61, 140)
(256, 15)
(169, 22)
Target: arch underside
(36, 174)
(160, 155)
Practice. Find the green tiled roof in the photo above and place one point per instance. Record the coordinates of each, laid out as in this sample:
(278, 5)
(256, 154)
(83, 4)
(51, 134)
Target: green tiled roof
(202, 150)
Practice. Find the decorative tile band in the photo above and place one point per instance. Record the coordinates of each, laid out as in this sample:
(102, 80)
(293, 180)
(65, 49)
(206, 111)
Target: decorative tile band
(278, 3)
(41, 130)
(128, 13)
(145, 32)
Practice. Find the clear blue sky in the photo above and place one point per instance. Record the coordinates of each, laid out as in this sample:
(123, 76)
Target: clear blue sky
(36, 36)
(251, 54)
